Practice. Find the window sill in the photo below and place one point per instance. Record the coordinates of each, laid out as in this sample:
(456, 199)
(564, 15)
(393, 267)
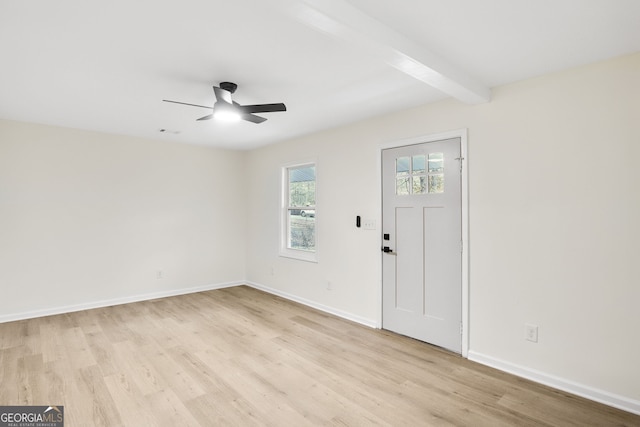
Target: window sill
(299, 255)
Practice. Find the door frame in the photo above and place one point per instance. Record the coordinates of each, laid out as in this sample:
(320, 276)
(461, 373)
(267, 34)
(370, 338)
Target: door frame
(464, 194)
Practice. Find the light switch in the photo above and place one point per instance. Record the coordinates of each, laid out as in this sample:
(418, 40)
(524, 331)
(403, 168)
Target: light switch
(369, 224)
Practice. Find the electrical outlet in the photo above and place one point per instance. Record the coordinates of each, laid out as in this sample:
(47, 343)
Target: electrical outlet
(531, 332)
(159, 274)
(329, 285)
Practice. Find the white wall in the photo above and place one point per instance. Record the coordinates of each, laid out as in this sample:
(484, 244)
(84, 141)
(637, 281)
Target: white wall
(87, 217)
(348, 257)
(554, 209)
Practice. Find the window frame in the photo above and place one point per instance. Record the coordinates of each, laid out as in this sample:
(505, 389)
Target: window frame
(285, 250)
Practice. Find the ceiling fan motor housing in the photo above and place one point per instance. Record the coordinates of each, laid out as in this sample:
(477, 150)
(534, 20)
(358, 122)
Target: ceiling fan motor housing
(228, 86)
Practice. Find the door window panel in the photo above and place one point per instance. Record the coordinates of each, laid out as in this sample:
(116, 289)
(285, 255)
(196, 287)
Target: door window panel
(420, 174)
(436, 162)
(436, 183)
(419, 184)
(418, 163)
(402, 166)
(402, 186)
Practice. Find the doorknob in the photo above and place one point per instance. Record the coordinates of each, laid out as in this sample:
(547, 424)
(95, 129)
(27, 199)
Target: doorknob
(387, 250)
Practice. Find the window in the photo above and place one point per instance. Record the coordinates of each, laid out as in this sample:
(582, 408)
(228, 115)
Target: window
(299, 212)
(413, 177)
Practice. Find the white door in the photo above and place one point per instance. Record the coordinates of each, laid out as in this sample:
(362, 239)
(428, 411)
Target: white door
(422, 242)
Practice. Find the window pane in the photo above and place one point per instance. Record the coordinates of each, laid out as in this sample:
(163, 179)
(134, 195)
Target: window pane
(302, 229)
(419, 184)
(402, 186)
(436, 183)
(436, 162)
(302, 186)
(418, 163)
(402, 166)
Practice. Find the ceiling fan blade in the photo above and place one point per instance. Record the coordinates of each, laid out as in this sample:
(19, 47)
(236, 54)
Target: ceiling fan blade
(207, 117)
(253, 118)
(222, 95)
(184, 103)
(262, 108)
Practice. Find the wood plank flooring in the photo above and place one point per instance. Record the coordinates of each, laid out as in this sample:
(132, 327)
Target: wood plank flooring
(238, 356)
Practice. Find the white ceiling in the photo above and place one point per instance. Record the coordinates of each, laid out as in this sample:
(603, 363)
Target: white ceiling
(106, 66)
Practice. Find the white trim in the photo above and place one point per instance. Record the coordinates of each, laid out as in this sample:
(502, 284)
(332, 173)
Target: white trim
(464, 153)
(371, 323)
(457, 133)
(379, 204)
(111, 302)
(592, 393)
(170, 293)
(464, 190)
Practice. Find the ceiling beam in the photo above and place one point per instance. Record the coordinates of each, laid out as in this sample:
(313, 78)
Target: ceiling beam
(340, 19)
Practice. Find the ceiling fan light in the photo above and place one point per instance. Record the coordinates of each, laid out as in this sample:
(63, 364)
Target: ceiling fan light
(226, 115)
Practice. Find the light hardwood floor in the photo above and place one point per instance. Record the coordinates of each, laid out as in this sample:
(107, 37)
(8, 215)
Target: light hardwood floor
(239, 356)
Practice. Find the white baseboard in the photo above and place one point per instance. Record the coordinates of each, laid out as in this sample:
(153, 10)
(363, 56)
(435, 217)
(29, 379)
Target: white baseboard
(602, 396)
(183, 291)
(591, 393)
(343, 314)
(116, 301)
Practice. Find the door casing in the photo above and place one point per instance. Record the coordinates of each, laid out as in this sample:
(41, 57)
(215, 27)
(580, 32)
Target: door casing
(462, 134)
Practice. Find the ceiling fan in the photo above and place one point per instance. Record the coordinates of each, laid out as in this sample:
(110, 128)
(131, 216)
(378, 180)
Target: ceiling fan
(226, 109)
